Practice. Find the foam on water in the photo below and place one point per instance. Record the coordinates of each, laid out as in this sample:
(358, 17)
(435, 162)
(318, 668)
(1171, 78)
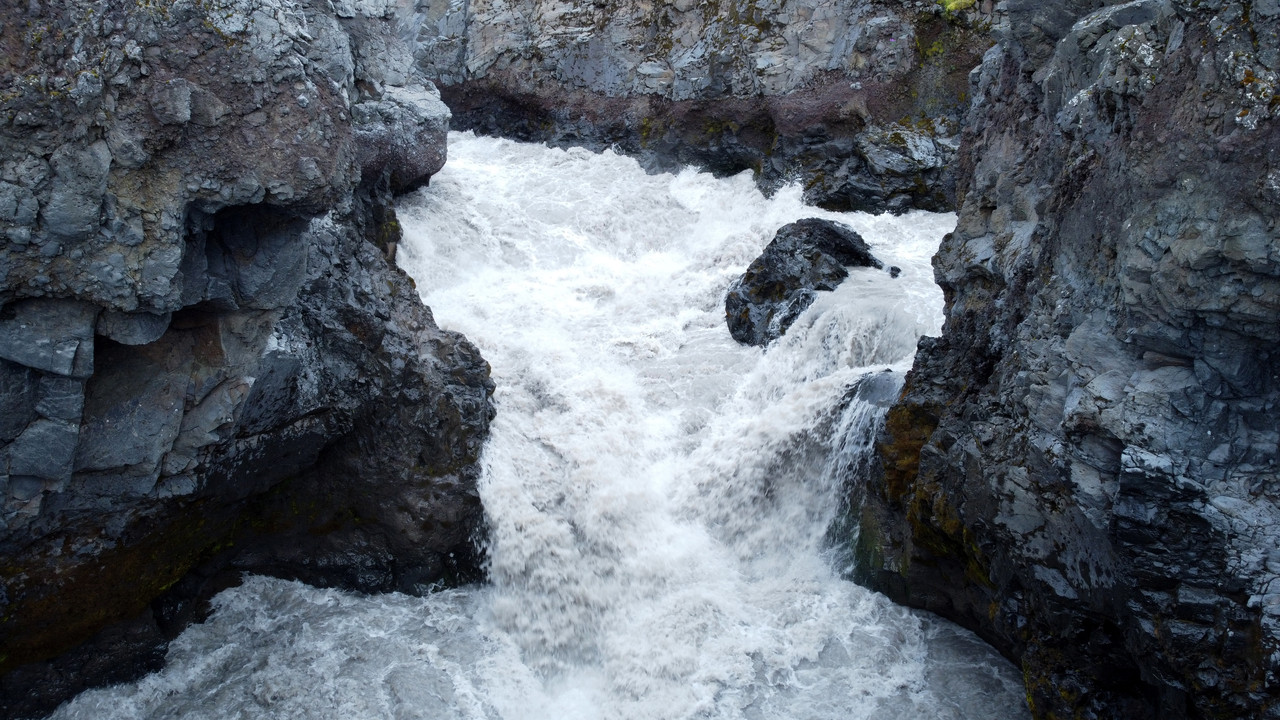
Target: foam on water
(658, 496)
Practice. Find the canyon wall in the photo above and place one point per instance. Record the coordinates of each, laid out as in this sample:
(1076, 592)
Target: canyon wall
(860, 101)
(1084, 466)
(208, 363)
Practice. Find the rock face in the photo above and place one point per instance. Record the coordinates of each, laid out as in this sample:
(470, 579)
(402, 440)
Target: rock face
(1084, 466)
(207, 363)
(804, 257)
(858, 100)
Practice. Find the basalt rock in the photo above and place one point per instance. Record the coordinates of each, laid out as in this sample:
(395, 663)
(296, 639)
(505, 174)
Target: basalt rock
(207, 363)
(804, 257)
(1083, 467)
(859, 101)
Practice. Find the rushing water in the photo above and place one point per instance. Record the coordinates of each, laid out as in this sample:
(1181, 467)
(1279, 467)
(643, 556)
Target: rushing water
(658, 496)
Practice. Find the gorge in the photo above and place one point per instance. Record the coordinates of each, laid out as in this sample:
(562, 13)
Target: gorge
(657, 496)
(211, 364)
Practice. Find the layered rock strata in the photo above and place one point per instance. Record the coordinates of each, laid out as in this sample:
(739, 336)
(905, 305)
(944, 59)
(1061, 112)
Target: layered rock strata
(1084, 466)
(804, 257)
(207, 363)
(860, 101)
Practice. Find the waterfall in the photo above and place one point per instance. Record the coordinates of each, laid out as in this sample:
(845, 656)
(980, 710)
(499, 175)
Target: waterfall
(658, 497)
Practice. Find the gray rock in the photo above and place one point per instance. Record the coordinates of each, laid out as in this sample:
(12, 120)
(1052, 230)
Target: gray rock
(51, 335)
(803, 257)
(1082, 468)
(171, 102)
(26, 489)
(258, 259)
(60, 398)
(331, 50)
(899, 151)
(784, 90)
(402, 134)
(261, 377)
(127, 149)
(80, 181)
(132, 328)
(44, 450)
(206, 109)
(17, 399)
(210, 421)
(274, 399)
(17, 205)
(133, 409)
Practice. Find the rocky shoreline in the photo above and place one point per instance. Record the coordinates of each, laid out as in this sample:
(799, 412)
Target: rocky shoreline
(208, 363)
(860, 102)
(1083, 467)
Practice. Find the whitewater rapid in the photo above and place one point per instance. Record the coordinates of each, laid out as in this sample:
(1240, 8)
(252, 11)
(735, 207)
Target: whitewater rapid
(658, 497)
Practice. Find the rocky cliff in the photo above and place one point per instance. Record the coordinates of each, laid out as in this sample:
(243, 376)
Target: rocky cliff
(1084, 466)
(207, 362)
(859, 100)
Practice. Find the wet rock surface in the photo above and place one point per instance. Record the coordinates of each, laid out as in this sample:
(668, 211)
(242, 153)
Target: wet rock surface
(207, 363)
(1083, 467)
(859, 101)
(804, 257)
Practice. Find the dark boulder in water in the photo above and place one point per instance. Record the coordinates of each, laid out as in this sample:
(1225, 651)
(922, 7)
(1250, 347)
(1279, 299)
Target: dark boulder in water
(804, 257)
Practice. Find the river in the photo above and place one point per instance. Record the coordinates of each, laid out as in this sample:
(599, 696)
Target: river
(659, 498)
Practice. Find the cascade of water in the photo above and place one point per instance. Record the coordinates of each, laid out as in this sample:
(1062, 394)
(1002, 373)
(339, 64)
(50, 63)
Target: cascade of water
(658, 496)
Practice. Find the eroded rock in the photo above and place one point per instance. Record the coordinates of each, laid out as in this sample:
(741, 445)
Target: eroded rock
(814, 91)
(132, 328)
(48, 334)
(803, 257)
(1082, 467)
(402, 134)
(207, 365)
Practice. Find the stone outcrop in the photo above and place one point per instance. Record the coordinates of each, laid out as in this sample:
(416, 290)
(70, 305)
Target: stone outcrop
(803, 257)
(860, 101)
(1084, 466)
(207, 363)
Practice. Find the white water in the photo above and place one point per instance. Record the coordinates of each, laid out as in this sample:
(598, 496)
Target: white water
(658, 496)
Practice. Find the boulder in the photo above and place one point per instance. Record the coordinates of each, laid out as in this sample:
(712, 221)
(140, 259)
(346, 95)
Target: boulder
(402, 134)
(804, 257)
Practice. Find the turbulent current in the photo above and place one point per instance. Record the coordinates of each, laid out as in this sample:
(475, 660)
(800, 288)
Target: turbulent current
(659, 498)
